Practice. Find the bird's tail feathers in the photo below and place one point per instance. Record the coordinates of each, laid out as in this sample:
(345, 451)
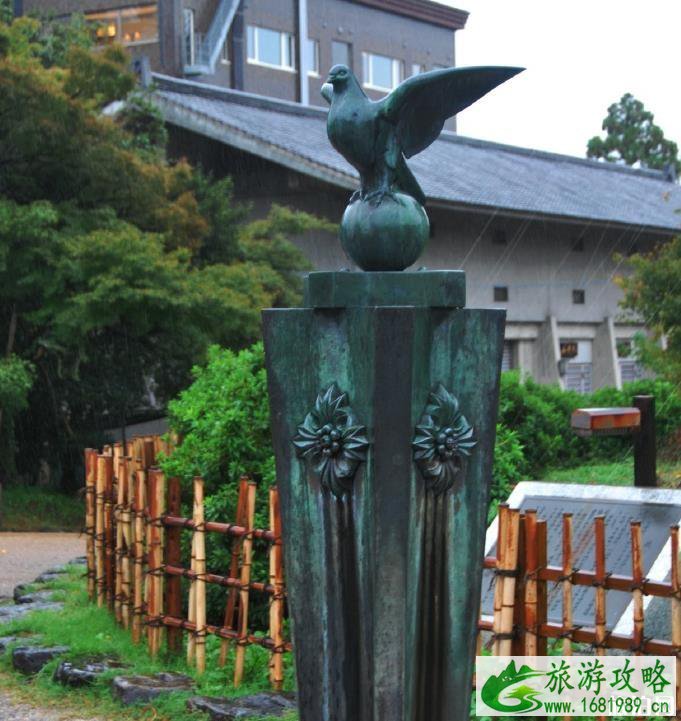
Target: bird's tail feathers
(407, 183)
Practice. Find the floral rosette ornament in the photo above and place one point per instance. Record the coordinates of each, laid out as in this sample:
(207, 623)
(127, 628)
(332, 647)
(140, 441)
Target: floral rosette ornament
(442, 439)
(332, 441)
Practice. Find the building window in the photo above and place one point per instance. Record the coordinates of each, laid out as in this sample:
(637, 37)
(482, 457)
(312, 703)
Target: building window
(130, 26)
(417, 68)
(341, 53)
(578, 245)
(189, 36)
(313, 57)
(630, 368)
(578, 297)
(271, 47)
(500, 293)
(381, 72)
(577, 368)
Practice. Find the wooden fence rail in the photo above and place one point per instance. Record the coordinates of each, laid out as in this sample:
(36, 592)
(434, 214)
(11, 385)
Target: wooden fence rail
(134, 561)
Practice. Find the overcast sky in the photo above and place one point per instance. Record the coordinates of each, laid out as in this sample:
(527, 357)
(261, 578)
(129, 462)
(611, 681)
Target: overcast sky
(580, 56)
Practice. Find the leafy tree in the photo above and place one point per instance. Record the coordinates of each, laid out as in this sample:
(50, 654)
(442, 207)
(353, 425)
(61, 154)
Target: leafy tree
(117, 269)
(632, 137)
(6, 13)
(653, 292)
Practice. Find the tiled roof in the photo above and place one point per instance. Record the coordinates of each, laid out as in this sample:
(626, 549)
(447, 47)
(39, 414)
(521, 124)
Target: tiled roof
(455, 171)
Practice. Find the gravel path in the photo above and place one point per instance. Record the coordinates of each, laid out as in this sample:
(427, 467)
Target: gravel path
(23, 556)
(11, 710)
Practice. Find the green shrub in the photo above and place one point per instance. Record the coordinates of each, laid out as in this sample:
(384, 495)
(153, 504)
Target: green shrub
(509, 461)
(223, 420)
(540, 415)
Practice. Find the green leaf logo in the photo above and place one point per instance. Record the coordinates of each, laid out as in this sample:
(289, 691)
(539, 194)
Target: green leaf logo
(524, 696)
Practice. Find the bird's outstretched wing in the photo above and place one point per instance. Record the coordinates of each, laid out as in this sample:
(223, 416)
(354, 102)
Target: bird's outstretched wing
(419, 107)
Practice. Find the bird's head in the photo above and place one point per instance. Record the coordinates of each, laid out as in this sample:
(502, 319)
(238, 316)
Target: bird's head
(340, 76)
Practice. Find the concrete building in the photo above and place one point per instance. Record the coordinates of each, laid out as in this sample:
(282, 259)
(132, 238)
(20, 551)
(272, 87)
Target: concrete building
(540, 234)
(278, 48)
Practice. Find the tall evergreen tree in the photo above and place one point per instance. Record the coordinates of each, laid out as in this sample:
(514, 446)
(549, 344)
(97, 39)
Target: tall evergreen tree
(632, 137)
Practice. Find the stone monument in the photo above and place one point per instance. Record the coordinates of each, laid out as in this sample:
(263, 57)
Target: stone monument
(384, 391)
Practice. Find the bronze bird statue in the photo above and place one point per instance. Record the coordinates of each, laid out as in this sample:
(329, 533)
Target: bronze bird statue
(376, 138)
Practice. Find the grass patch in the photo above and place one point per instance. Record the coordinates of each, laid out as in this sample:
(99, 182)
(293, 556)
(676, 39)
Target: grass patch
(620, 473)
(91, 631)
(28, 508)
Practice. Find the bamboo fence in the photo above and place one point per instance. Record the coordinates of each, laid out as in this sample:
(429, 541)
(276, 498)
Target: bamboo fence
(134, 526)
(134, 560)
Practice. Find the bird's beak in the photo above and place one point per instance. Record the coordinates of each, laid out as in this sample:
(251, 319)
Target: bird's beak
(327, 92)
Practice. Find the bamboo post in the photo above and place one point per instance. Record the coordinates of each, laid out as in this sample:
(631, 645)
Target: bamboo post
(147, 460)
(637, 593)
(149, 453)
(191, 610)
(599, 582)
(173, 556)
(245, 580)
(676, 609)
(503, 518)
(233, 593)
(126, 536)
(100, 574)
(530, 620)
(518, 644)
(510, 562)
(277, 601)
(90, 520)
(568, 561)
(542, 590)
(200, 560)
(121, 491)
(138, 608)
(109, 542)
(129, 533)
(155, 553)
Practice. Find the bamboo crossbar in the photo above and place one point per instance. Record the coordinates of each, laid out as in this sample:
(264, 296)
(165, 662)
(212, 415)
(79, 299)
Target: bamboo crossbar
(613, 582)
(222, 632)
(228, 529)
(218, 580)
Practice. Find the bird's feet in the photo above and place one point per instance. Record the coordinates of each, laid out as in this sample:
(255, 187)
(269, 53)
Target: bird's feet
(378, 196)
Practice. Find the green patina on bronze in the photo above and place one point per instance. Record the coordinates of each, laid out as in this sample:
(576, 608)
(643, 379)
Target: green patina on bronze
(429, 288)
(384, 578)
(385, 227)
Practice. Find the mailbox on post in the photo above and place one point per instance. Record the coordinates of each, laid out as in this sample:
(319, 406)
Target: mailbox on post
(637, 421)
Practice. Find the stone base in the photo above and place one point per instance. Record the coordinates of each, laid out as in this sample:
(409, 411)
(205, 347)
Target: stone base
(247, 707)
(137, 689)
(31, 659)
(85, 672)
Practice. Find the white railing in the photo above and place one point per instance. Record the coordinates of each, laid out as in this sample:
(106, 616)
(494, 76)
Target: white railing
(207, 48)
